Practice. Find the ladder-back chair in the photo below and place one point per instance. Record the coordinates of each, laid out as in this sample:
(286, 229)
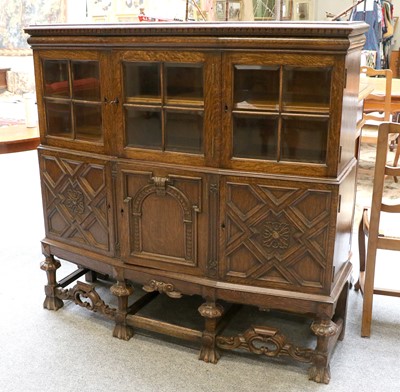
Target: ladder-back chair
(370, 226)
(378, 108)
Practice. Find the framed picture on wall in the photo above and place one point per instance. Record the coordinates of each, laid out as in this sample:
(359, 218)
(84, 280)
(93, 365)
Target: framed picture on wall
(267, 10)
(303, 10)
(220, 10)
(286, 9)
(234, 10)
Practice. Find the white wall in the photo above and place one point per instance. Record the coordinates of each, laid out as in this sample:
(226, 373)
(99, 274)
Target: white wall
(334, 7)
(76, 11)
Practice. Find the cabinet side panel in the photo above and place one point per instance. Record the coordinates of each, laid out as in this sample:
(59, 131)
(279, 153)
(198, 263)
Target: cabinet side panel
(349, 111)
(345, 217)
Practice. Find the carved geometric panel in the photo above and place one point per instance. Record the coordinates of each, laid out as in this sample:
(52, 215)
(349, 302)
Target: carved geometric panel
(277, 235)
(75, 202)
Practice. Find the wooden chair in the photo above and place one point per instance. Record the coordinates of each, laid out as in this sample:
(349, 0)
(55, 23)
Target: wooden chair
(379, 109)
(397, 156)
(370, 226)
(379, 106)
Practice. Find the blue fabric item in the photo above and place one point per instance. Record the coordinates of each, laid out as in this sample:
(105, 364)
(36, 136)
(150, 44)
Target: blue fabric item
(374, 33)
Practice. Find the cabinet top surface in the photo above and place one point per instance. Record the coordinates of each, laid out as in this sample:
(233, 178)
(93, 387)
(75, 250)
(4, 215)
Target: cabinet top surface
(214, 29)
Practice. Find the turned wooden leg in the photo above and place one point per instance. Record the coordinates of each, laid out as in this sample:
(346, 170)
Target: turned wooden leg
(396, 157)
(122, 290)
(212, 313)
(326, 331)
(50, 265)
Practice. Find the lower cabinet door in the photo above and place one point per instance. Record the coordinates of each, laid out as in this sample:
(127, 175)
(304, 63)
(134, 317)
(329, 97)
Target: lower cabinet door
(77, 200)
(163, 218)
(278, 234)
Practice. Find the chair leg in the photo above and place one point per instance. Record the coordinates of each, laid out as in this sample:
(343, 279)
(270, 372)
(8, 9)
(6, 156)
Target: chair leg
(396, 156)
(361, 249)
(368, 291)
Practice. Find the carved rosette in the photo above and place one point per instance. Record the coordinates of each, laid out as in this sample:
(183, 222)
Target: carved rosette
(74, 201)
(163, 288)
(276, 235)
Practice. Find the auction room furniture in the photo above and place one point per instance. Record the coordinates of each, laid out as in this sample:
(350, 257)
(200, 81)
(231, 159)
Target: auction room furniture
(380, 236)
(3, 79)
(381, 104)
(379, 90)
(16, 138)
(382, 101)
(214, 160)
(378, 104)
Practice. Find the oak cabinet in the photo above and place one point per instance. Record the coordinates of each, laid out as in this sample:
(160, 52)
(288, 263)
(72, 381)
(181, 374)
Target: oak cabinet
(202, 159)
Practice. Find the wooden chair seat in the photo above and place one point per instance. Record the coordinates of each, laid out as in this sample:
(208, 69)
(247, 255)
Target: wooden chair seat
(380, 236)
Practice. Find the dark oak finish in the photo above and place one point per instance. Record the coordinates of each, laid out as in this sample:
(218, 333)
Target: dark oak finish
(202, 159)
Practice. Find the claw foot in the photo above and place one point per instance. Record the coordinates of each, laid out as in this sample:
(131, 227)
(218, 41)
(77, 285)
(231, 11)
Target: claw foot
(319, 374)
(122, 332)
(53, 303)
(208, 352)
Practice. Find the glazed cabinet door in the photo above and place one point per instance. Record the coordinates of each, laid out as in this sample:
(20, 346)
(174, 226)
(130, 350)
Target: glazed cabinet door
(282, 112)
(77, 201)
(164, 218)
(72, 99)
(169, 108)
(278, 234)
